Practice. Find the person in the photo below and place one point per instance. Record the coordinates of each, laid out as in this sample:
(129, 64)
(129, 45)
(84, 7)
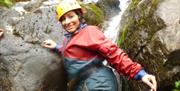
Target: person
(85, 48)
(1, 33)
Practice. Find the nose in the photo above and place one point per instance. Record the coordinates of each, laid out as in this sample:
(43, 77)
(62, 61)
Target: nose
(67, 21)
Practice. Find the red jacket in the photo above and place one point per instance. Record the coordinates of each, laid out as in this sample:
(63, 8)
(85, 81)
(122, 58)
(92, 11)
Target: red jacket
(90, 42)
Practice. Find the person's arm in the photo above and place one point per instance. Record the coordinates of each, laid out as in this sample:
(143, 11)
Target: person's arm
(52, 45)
(117, 58)
(95, 40)
(140, 74)
(58, 48)
(150, 80)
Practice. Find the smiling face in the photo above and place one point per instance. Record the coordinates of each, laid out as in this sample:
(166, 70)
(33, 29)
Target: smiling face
(70, 21)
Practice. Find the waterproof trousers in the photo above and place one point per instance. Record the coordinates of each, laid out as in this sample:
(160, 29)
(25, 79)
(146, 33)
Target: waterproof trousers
(101, 80)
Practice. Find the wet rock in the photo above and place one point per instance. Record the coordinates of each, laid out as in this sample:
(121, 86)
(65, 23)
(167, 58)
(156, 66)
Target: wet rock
(152, 38)
(110, 7)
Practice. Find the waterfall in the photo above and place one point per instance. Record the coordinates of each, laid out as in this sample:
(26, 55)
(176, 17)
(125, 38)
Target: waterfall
(112, 30)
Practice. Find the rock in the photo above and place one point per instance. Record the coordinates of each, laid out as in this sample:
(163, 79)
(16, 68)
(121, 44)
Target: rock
(24, 64)
(110, 7)
(152, 38)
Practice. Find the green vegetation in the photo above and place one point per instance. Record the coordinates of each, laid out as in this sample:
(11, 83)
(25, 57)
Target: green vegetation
(177, 86)
(140, 17)
(123, 36)
(94, 14)
(6, 3)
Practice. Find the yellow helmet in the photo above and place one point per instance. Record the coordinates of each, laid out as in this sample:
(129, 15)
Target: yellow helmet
(66, 6)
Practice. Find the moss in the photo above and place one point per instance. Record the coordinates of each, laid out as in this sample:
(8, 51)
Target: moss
(7, 3)
(123, 36)
(138, 39)
(94, 14)
(141, 18)
(154, 2)
(135, 2)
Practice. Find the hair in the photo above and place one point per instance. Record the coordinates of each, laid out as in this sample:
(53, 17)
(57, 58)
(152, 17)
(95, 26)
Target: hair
(80, 15)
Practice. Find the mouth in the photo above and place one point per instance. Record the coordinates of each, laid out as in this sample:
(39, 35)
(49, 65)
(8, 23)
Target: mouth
(69, 27)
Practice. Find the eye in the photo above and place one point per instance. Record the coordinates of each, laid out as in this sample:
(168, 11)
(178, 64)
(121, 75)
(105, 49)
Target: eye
(71, 16)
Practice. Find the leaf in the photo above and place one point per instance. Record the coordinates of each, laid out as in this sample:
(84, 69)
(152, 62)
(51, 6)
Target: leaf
(177, 84)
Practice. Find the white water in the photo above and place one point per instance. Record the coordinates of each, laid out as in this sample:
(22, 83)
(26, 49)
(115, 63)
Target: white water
(90, 1)
(112, 30)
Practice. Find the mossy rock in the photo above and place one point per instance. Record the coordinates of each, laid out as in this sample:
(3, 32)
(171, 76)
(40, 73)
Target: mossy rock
(140, 18)
(137, 38)
(94, 15)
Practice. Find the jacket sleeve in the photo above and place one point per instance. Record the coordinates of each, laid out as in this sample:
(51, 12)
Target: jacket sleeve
(115, 56)
(57, 49)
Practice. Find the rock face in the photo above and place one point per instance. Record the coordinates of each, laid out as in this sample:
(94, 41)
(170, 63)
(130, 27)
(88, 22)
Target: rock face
(151, 36)
(110, 7)
(24, 64)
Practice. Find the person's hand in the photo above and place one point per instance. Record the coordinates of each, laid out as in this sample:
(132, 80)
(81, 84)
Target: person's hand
(150, 80)
(49, 44)
(1, 32)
